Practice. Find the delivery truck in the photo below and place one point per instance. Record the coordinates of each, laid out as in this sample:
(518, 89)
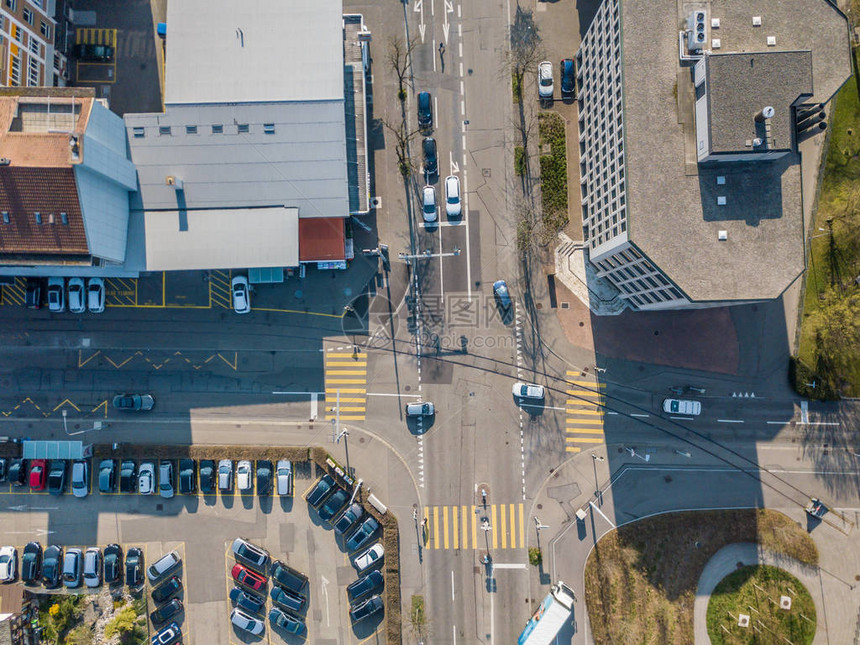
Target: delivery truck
(553, 613)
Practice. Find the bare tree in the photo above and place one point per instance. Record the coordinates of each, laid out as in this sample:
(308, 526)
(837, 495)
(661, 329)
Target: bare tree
(402, 137)
(399, 58)
(525, 52)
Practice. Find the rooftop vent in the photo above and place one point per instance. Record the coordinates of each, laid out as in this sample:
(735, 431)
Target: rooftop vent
(722, 236)
(721, 181)
(176, 182)
(715, 23)
(5, 161)
(766, 112)
(715, 43)
(757, 142)
(756, 21)
(721, 200)
(771, 41)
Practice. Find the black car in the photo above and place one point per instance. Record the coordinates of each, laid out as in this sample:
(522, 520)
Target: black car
(166, 590)
(18, 472)
(362, 534)
(207, 476)
(264, 477)
(134, 567)
(287, 599)
(112, 563)
(128, 477)
(321, 491)
(57, 477)
(364, 585)
(33, 295)
(31, 562)
(349, 518)
(187, 476)
(285, 621)
(93, 52)
(287, 577)
(107, 475)
(334, 504)
(568, 79)
(431, 159)
(247, 601)
(366, 608)
(425, 111)
(52, 566)
(166, 612)
(2, 469)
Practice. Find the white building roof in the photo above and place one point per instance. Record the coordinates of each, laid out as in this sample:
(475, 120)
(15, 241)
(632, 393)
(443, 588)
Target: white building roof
(226, 239)
(223, 51)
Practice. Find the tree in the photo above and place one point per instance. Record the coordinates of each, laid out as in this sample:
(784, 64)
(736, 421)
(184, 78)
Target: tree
(399, 58)
(402, 137)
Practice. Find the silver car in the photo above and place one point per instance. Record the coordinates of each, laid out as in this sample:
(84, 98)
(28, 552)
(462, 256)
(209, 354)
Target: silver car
(284, 476)
(165, 479)
(93, 567)
(420, 409)
(80, 479)
(225, 475)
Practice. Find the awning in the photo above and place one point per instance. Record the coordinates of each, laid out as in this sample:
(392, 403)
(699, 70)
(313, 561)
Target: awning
(321, 239)
(53, 450)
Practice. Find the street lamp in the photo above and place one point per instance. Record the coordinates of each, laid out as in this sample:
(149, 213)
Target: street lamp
(345, 435)
(594, 460)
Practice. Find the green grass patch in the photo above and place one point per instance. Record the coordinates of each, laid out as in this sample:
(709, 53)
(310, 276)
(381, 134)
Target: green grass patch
(535, 556)
(829, 348)
(553, 173)
(519, 161)
(756, 591)
(59, 615)
(516, 88)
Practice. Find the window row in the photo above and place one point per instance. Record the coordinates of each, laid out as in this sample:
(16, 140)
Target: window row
(139, 132)
(38, 218)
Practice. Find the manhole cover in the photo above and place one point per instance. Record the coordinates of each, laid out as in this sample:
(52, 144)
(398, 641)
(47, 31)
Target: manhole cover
(539, 506)
(159, 507)
(408, 388)
(487, 172)
(565, 305)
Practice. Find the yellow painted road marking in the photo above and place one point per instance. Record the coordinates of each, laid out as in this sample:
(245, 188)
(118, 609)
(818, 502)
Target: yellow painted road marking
(589, 410)
(456, 531)
(445, 525)
(504, 527)
(345, 354)
(494, 526)
(474, 529)
(585, 430)
(346, 363)
(585, 383)
(346, 373)
(346, 390)
(350, 408)
(587, 422)
(585, 439)
(435, 527)
(585, 393)
(522, 528)
(573, 449)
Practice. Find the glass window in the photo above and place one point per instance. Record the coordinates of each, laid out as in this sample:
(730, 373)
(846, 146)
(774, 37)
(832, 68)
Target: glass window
(164, 129)
(46, 29)
(64, 218)
(28, 15)
(139, 132)
(269, 128)
(244, 128)
(217, 128)
(190, 129)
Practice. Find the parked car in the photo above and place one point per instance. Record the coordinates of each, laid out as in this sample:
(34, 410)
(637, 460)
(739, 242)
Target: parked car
(428, 200)
(169, 635)
(245, 576)
(251, 554)
(241, 294)
(165, 479)
(287, 577)
(362, 534)
(225, 475)
(545, 82)
(93, 52)
(57, 477)
(431, 158)
(247, 623)
(530, 391)
(146, 478)
(33, 293)
(77, 302)
(285, 621)
(322, 490)
(166, 589)
(93, 567)
(366, 608)
(2, 469)
(287, 599)
(96, 295)
(247, 601)
(502, 295)
(133, 402)
(52, 566)
(56, 295)
(420, 409)
(682, 406)
(17, 474)
(369, 557)
(264, 477)
(244, 472)
(348, 519)
(112, 563)
(163, 566)
(453, 207)
(134, 567)
(127, 477)
(568, 79)
(8, 564)
(187, 476)
(425, 111)
(166, 612)
(31, 562)
(107, 475)
(38, 474)
(364, 585)
(284, 476)
(207, 476)
(80, 479)
(73, 568)
(333, 504)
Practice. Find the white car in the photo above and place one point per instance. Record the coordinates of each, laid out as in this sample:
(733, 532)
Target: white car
(8, 564)
(284, 476)
(225, 475)
(246, 623)
(77, 302)
(429, 203)
(368, 558)
(56, 295)
(80, 479)
(545, 84)
(146, 478)
(528, 391)
(241, 294)
(92, 567)
(453, 208)
(243, 475)
(420, 409)
(682, 406)
(96, 295)
(165, 479)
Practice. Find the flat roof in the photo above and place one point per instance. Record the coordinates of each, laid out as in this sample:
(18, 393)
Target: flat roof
(671, 215)
(222, 51)
(321, 240)
(223, 239)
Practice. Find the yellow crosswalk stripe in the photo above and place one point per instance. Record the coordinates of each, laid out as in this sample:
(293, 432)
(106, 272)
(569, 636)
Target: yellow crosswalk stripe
(345, 355)
(522, 528)
(585, 430)
(580, 439)
(504, 528)
(585, 413)
(588, 410)
(584, 393)
(513, 528)
(445, 524)
(587, 383)
(494, 526)
(347, 408)
(456, 532)
(572, 449)
(346, 363)
(450, 527)
(584, 422)
(345, 390)
(346, 372)
(435, 527)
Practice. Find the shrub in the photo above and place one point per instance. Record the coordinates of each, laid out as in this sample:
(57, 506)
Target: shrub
(519, 161)
(535, 556)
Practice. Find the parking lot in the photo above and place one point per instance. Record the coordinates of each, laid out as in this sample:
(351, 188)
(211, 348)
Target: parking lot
(202, 528)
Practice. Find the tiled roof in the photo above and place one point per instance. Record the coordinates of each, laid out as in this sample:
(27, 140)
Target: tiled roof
(50, 192)
(321, 239)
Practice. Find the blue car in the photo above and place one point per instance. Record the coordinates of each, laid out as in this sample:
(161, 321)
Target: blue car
(362, 534)
(503, 297)
(322, 490)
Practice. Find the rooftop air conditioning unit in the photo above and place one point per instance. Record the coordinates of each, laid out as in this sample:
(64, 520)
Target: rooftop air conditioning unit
(696, 23)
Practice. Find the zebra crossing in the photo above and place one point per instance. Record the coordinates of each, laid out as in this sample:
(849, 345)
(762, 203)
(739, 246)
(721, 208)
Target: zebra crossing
(497, 526)
(584, 408)
(346, 385)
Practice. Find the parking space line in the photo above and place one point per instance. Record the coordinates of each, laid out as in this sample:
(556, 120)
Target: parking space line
(572, 449)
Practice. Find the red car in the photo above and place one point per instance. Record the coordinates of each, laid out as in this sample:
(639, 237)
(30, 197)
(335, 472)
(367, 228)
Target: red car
(243, 575)
(38, 474)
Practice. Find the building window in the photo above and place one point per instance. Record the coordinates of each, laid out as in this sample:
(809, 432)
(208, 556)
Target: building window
(35, 47)
(244, 128)
(269, 128)
(190, 129)
(217, 128)
(164, 129)
(139, 132)
(64, 218)
(28, 15)
(33, 76)
(18, 33)
(12, 4)
(15, 71)
(5, 217)
(46, 30)
(38, 217)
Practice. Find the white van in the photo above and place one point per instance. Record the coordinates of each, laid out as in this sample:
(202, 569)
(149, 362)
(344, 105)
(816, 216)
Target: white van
(682, 406)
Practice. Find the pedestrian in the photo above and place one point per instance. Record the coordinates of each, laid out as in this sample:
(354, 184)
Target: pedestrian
(441, 47)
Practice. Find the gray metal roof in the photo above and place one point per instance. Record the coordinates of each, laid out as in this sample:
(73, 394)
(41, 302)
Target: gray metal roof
(53, 449)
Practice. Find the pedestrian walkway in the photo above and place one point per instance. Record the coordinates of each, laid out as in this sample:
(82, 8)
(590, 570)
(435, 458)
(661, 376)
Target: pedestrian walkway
(584, 413)
(346, 386)
(464, 527)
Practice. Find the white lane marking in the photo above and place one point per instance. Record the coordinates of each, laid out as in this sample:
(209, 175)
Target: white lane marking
(542, 407)
(458, 15)
(422, 28)
(461, 69)
(314, 405)
(454, 630)
(460, 51)
(455, 167)
(440, 223)
(730, 420)
(435, 103)
(466, 222)
(684, 418)
(441, 270)
(509, 565)
(611, 412)
(644, 416)
(301, 393)
(408, 396)
(462, 108)
(778, 423)
(804, 411)
(518, 330)
(324, 582)
(446, 26)
(432, 8)
(452, 585)
(819, 423)
(462, 87)
(601, 513)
